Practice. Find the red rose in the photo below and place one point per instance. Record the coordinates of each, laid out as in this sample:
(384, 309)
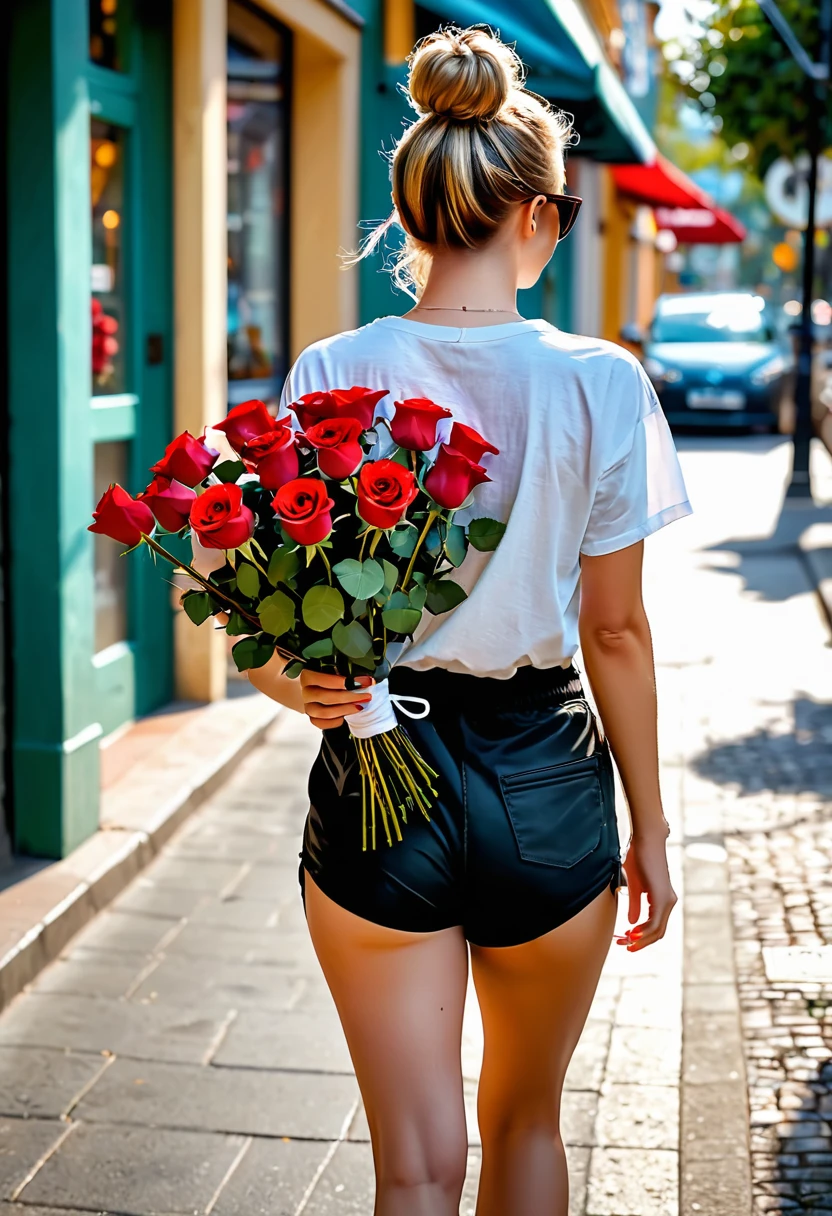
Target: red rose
(355, 402)
(219, 518)
(385, 491)
(303, 507)
(336, 439)
(453, 477)
(414, 423)
(121, 517)
(245, 422)
(187, 460)
(273, 456)
(470, 443)
(169, 501)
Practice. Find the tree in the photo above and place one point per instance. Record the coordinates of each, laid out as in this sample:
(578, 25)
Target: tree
(739, 70)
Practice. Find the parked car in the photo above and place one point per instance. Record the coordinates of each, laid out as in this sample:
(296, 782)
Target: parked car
(716, 359)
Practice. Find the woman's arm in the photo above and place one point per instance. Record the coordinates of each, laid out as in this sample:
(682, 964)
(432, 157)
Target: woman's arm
(618, 655)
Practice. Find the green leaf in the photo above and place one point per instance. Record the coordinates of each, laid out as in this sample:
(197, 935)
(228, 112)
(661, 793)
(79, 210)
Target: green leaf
(229, 470)
(319, 649)
(252, 652)
(417, 597)
(277, 613)
(433, 542)
(197, 605)
(485, 534)
(353, 640)
(401, 620)
(419, 577)
(361, 580)
(248, 580)
(293, 670)
(399, 599)
(322, 607)
(403, 541)
(391, 575)
(283, 567)
(401, 456)
(455, 544)
(225, 574)
(238, 625)
(359, 607)
(443, 595)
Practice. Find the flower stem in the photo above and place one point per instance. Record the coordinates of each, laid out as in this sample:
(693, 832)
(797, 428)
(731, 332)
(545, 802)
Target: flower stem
(326, 563)
(194, 574)
(432, 515)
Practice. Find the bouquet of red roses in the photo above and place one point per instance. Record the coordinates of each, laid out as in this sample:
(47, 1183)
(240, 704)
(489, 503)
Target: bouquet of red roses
(338, 532)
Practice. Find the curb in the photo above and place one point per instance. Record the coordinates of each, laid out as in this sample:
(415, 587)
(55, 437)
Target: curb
(96, 872)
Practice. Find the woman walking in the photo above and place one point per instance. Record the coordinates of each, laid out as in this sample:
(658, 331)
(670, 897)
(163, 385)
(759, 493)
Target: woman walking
(521, 860)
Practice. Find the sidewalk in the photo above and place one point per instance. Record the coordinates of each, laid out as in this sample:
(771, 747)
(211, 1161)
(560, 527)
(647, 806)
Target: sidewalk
(184, 1056)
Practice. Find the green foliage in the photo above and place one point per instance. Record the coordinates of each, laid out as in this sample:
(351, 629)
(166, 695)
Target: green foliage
(443, 595)
(361, 580)
(485, 534)
(455, 546)
(277, 613)
(197, 605)
(322, 607)
(229, 470)
(353, 640)
(238, 625)
(248, 580)
(401, 620)
(252, 652)
(318, 650)
(741, 71)
(403, 540)
(283, 567)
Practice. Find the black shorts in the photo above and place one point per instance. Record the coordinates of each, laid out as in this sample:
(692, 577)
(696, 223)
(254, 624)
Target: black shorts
(523, 834)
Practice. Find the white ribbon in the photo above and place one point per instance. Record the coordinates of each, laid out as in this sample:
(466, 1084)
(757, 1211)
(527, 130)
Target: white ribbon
(379, 713)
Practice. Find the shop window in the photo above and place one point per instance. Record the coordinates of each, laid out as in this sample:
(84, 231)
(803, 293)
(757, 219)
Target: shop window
(107, 145)
(258, 55)
(105, 31)
(111, 569)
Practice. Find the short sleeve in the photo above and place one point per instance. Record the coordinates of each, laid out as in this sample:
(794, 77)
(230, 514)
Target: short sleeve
(641, 488)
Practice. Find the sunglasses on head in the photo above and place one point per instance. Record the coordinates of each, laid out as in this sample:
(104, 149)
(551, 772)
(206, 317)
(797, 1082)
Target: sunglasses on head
(568, 206)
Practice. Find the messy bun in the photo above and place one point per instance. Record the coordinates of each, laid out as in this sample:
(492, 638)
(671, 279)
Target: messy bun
(463, 75)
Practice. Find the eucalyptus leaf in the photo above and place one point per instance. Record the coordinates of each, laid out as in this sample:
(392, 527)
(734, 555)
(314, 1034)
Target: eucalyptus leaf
(485, 534)
(293, 670)
(322, 607)
(403, 541)
(353, 640)
(417, 597)
(238, 625)
(401, 620)
(433, 542)
(248, 580)
(391, 575)
(283, 567)
(252, 652)
(359, 607)
(455, 544)
(399, 599)
(197, 605)
(443, 595)
(229, 470)
(361, 580)
(318, 650)
(277, 613)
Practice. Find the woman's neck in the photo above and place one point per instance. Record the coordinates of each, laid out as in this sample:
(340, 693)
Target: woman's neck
(481, 279)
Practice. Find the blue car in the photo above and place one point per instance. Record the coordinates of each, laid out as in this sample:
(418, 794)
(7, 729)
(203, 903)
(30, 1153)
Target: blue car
(716, 360)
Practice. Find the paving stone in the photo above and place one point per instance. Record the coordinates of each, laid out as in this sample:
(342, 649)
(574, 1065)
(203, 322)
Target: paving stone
(145, 898)
(92, 973)
(641, 1055)
(35, 1082)
(22, 1144)
(347, 1185)
(123, 931)
(244, 1100)
(650, 1002)
(269, 882)
(237, 913)
(133, 1170)
(311, 1041)
(190, 984)
(633, 1116)
(272, 1178)
(192, 874)
(586, 1068)
(713, 1050)
(633, 1182)
(95, 1025)
(291, 951)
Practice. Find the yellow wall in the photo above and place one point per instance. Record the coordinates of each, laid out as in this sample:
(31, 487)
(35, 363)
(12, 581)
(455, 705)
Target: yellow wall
(324, 168)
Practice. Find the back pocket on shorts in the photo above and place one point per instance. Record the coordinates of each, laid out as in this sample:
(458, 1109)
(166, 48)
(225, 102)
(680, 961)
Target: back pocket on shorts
(557, 812)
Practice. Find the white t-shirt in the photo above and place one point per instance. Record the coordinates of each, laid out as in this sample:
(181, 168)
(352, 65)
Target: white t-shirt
(587, 465)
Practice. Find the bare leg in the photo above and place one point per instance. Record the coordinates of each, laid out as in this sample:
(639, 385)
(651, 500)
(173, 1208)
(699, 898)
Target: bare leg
(400, 998)
(534, 999)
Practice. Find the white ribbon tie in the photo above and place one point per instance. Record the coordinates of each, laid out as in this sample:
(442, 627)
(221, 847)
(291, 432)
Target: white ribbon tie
(379, 713)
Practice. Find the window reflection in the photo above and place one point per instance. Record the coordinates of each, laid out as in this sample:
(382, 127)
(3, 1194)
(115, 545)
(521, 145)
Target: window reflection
(107, 143)
(104, 34)
(257, 192)
(110, 595)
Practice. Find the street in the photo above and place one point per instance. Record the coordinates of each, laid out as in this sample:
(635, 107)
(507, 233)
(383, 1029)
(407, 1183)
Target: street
(184, 1056)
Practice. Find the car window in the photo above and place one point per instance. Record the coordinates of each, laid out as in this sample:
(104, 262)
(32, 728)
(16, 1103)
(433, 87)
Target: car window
(711, 319)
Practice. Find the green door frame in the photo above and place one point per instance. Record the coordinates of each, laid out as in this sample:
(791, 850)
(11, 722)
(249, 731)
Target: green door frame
(65, 698)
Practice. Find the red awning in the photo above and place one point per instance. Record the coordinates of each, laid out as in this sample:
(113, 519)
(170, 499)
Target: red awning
(679, 204)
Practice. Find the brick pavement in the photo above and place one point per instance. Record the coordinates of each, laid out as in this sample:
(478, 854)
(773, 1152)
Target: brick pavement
(184, 1055)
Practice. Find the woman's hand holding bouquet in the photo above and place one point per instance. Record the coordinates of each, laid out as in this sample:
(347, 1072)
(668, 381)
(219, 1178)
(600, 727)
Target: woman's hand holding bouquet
(338, 534)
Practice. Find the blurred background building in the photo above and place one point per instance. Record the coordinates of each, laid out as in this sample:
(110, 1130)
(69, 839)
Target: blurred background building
(182, 176)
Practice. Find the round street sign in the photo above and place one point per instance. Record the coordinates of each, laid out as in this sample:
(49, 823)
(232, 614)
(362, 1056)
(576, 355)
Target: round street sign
(787, 191)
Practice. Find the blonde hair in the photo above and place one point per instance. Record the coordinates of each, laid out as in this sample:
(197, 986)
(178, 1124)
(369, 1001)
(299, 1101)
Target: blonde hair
(481, 143)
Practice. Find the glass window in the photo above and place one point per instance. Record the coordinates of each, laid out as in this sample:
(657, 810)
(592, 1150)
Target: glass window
(111, 464)
(104, 34)
(107, 145)
(257, 205)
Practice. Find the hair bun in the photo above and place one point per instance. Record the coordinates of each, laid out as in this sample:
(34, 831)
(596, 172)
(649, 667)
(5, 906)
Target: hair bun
(463, 75)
